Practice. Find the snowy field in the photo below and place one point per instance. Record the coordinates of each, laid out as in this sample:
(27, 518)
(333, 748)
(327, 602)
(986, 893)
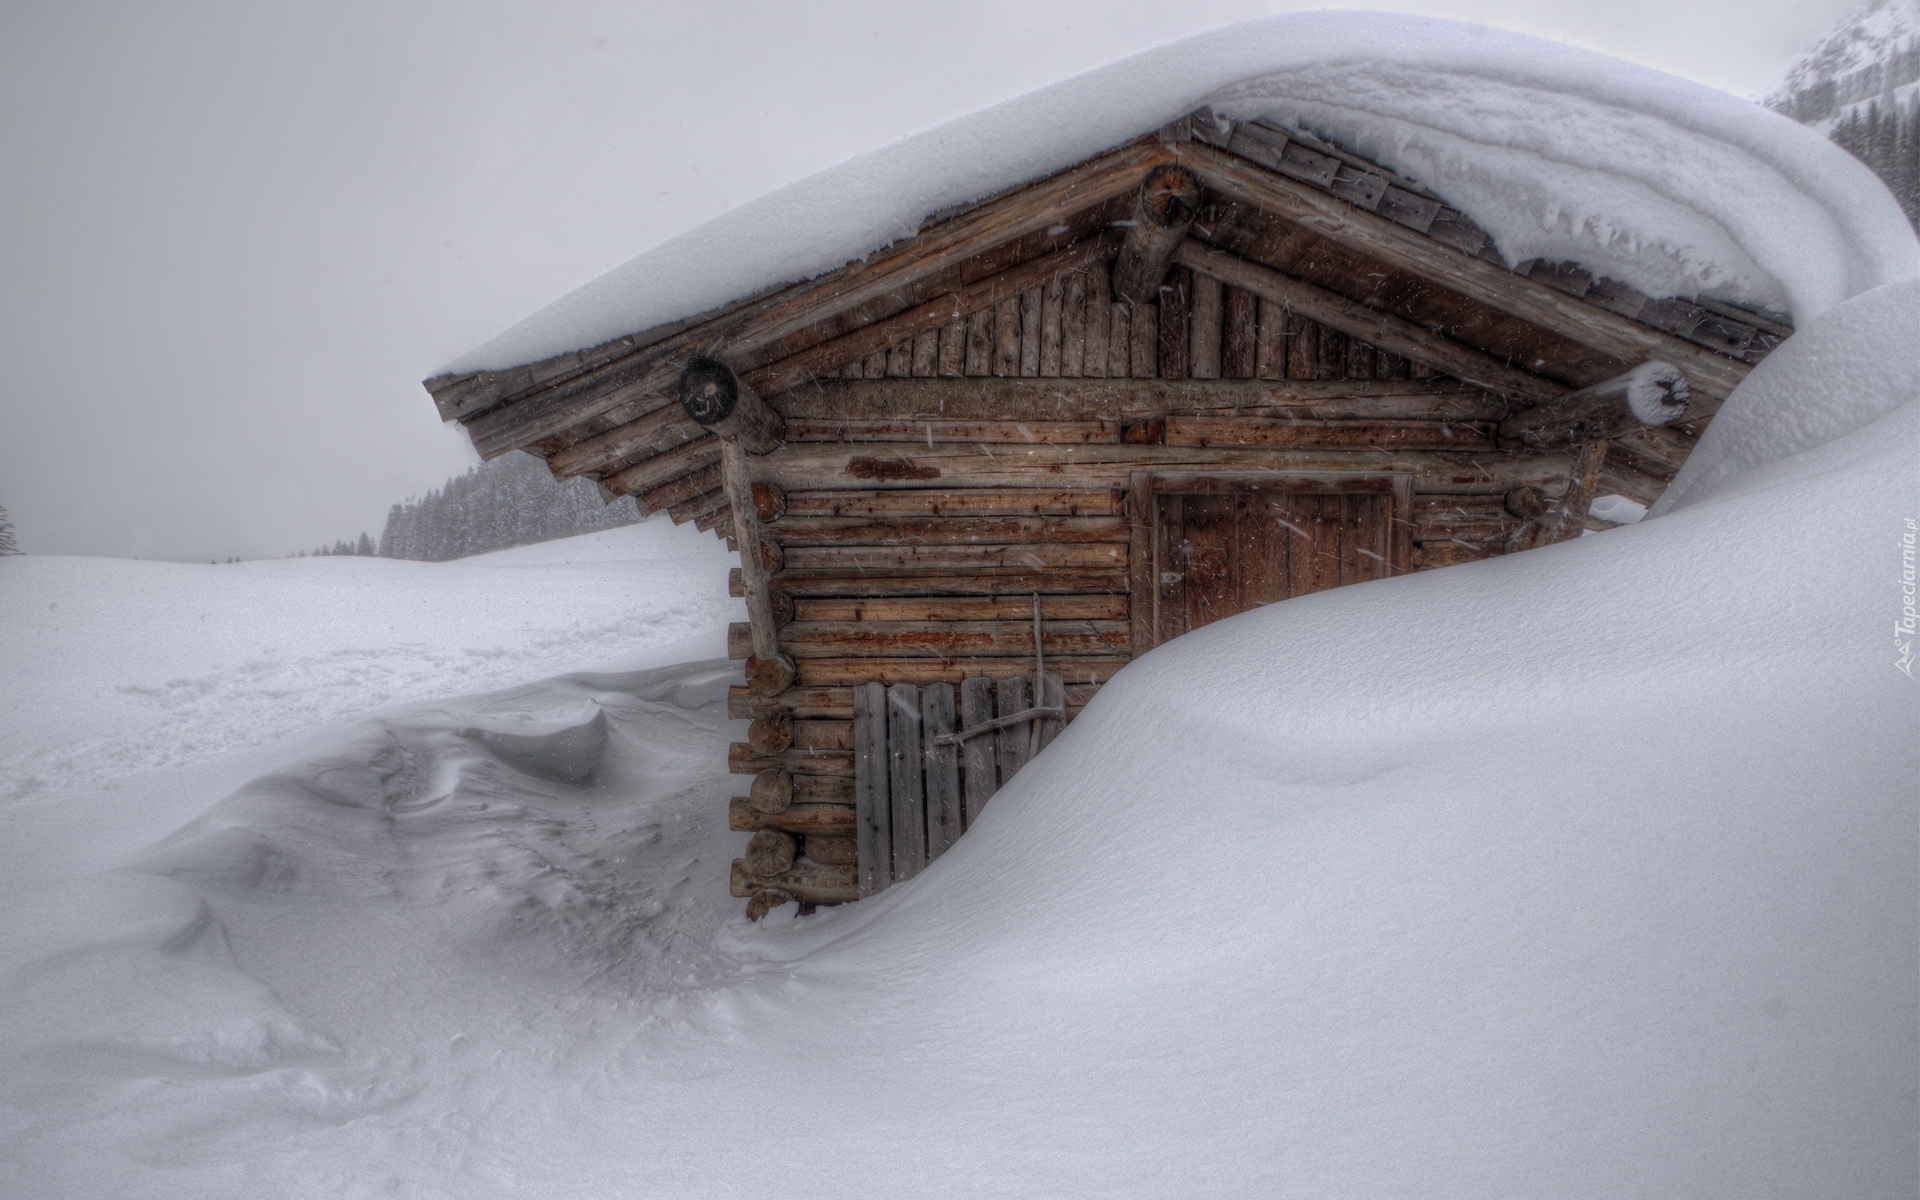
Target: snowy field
(1588, 872)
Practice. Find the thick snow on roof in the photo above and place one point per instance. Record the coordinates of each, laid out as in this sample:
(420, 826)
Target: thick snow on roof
(1558, 153)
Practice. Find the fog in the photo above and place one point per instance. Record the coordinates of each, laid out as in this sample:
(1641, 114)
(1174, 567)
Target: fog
(235, 237)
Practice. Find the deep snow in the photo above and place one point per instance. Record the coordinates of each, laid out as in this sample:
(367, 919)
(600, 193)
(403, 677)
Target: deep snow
(1586, 872)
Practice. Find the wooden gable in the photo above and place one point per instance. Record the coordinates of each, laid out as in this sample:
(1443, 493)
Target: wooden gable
(992, 444)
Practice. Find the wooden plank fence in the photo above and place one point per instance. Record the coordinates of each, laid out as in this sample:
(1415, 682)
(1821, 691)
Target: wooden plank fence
(926, 762)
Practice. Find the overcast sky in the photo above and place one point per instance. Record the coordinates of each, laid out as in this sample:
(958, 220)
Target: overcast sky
(235, 237)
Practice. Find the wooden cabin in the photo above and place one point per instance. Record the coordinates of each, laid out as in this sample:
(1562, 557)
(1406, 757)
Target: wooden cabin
(974, 474)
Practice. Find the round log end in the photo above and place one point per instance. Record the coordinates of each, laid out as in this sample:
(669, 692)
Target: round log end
(782, 606)
(769, 501)
(1657, 393)
(769, 676)
(772, 558)
(765, 901)
(1170, 197)
(772, 792)
(1526, 502)
(771, 732)
(770, 852)
(708, 390)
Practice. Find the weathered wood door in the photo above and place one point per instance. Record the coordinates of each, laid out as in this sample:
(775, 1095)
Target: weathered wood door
(1209, 547)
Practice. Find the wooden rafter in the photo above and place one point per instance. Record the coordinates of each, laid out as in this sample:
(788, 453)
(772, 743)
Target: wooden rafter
(1713, 375)
(520, 420)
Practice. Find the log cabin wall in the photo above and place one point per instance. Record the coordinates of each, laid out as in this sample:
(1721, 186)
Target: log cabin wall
(927, 491)
(973, 417)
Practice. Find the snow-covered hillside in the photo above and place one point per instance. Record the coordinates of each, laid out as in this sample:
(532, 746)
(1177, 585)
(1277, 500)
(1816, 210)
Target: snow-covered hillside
(1871, 57)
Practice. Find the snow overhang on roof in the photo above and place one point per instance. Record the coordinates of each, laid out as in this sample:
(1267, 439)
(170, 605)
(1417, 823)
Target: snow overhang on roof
(1559, 154)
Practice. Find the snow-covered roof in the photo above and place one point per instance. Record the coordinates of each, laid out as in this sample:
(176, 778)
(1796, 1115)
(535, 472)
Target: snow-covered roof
(1559, 153)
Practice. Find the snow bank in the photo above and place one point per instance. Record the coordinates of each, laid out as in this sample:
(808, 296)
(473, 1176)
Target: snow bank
(1585, 872)
(1844, 374)
(1559, 153)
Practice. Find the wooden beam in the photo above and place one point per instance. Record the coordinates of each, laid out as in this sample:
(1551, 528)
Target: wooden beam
(640, 477)
(987, 399)
(941, 639)
(1164, 208)
(951, 502)
(801, 467)
(975, 581)
(1712, 374)
(1653, 393)
(1382, 329)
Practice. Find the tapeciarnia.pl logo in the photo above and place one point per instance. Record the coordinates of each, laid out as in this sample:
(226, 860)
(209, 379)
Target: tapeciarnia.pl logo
(1903, 629)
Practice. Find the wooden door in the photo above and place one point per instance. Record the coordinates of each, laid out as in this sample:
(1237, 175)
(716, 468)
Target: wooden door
(1220, 546)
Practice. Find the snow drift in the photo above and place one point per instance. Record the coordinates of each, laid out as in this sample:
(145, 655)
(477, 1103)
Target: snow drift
(1558, 153)
(1588, 871)
(1583, 872)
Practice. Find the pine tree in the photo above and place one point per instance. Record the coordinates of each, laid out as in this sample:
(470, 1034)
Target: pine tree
(9, 541)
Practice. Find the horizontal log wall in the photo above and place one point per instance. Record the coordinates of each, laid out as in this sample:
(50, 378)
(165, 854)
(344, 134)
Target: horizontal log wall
(929, 491)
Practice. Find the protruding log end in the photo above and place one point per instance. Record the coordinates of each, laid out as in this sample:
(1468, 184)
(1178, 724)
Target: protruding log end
(772, 792)
(1657, 393)
(807, 882)
(769, 501)
(1526, 502)
(1170, 198)
(769, 676)
(765, 901)
(770, 852)
(771, 732)
(714, 397)
(1653, 393)
(1168, 202)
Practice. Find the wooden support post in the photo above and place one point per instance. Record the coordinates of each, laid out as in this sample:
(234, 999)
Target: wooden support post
(1653, 393)
(768, 672)
(1168, 201)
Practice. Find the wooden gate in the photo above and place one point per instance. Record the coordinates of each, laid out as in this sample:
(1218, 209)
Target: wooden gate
(925, 765)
